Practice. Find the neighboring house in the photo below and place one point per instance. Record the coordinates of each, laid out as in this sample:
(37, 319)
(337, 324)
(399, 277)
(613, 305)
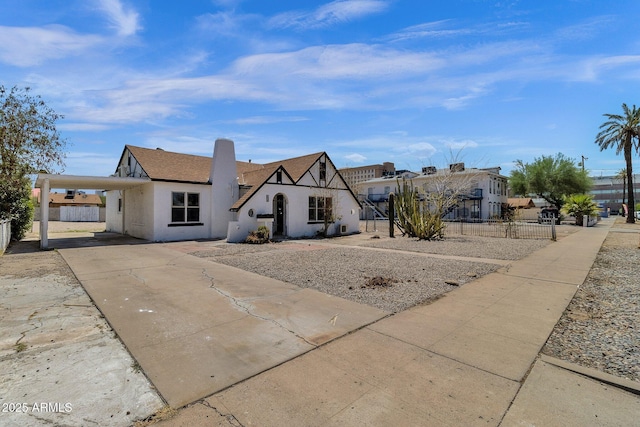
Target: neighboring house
(72, 205)
(483, 192)
(73, 198)
(521, 202)
(196, 197)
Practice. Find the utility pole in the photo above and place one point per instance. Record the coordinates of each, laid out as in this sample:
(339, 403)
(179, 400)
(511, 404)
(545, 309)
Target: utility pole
(583, 159)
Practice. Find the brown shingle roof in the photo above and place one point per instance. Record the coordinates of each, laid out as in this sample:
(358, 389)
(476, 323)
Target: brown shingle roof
(168, 166)
(78, 199)
(295, 168)
(521, 202)
(163, 165)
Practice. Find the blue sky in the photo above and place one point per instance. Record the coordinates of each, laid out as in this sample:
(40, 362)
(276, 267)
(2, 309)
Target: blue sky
(413, 82)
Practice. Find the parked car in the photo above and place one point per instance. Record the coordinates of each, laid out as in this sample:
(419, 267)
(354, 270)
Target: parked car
(548, 213)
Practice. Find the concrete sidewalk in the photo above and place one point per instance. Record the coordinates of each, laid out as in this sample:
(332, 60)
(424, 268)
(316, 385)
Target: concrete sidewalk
(196, 327)
(460, 360)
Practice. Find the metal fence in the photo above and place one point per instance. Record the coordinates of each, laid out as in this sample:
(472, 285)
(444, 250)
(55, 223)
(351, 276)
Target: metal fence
(5, 234)
(371, 222)
(504, 229)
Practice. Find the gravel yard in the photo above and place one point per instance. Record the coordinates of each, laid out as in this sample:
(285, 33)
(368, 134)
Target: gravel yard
(466, 246)
(388, 280)
(600, 328)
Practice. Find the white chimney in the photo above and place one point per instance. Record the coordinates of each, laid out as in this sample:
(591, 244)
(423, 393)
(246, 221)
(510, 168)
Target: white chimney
(224, 186)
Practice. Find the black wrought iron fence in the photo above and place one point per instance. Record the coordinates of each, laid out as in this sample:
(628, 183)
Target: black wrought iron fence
(504, 229)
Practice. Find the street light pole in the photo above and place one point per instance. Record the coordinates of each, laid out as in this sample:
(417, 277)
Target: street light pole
(583, 159)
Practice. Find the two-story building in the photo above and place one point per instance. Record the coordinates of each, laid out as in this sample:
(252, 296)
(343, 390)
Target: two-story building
(480, 193)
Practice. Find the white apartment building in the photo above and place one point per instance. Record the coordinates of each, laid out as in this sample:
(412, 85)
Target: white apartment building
(483, 192)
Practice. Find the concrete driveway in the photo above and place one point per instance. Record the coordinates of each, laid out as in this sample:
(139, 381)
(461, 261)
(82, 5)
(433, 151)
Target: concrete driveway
(197, 327)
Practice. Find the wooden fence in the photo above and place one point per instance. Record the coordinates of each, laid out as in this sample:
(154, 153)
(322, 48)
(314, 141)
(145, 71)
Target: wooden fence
(79, 213)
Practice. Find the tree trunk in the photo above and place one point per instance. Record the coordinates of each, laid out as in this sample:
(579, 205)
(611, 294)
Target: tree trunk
(631, 218)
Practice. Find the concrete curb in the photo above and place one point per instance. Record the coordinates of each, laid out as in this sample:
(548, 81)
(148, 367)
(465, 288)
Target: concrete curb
(623, 383)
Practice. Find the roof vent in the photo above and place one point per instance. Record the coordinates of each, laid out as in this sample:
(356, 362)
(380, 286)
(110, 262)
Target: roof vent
(429, 170)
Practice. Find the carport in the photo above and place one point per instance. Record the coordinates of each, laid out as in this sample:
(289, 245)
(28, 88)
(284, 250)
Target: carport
(45, 182)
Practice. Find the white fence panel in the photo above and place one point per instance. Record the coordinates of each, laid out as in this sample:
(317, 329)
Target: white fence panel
(79, 213)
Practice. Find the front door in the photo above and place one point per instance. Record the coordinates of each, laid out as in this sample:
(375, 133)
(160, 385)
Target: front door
(279, 207)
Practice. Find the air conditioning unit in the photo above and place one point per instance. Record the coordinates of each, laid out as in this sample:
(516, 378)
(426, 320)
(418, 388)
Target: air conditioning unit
(429, 170)
(456, 167)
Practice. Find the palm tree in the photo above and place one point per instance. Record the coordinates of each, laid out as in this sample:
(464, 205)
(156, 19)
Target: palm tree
(621, 131)
(622, 176)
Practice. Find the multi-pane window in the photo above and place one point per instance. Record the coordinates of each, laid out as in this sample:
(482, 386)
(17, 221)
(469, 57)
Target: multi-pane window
(319, 207)
(185, 207)
(323, 171)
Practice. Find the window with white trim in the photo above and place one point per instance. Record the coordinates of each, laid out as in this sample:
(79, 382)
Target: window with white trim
(185, 207)
(319, 207)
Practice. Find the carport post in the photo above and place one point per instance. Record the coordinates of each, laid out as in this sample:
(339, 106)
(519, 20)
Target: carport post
(44, 214)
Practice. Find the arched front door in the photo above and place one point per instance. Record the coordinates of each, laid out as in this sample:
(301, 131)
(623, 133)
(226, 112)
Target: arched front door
(279, 212)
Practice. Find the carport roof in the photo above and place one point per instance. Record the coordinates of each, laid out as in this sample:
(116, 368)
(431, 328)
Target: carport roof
(88, 182)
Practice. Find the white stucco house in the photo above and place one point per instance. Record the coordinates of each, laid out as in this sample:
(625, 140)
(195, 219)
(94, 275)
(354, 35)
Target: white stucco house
(184, 197)
(483, 192)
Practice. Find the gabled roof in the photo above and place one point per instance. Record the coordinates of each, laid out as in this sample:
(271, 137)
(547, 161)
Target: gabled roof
(295, 168)
(521, 202)
(77, 199)
(161, 165)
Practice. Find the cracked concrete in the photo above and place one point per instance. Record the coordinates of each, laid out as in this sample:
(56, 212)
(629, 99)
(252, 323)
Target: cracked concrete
(244, 306)
(56, 348)
(197, 327)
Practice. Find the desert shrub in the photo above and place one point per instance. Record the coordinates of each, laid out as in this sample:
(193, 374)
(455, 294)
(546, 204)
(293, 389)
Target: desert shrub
(261, 235)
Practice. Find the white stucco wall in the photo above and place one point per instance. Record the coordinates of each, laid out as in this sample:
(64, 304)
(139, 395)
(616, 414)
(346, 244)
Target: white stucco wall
(162, 227)
(137, 208)
(113, 220)
(296, 211)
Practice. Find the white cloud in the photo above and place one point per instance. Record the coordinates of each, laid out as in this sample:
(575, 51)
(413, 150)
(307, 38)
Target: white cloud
(263, 120)
(124, 20)
(336, 12)
(92, 127)
(445, 29)
(592, 68)
(29, 46)
(586, 30)
(346, 61)
(355, 158)
(420, 149)
(459, 145)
